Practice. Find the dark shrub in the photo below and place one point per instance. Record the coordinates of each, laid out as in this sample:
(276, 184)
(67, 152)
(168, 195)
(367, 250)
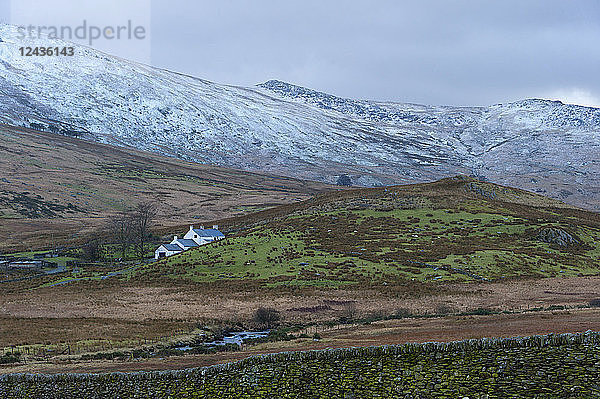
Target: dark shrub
(444, 309)
(402, 313)
(349, 313)
(281, 334)
(92, 251)
(267, 317)
(10, 358)
(595, 303)
(481, 312)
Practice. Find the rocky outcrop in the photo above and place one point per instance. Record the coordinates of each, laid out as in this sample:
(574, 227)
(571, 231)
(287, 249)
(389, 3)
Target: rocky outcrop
(481, 191)
(344, 180)
(556, 236)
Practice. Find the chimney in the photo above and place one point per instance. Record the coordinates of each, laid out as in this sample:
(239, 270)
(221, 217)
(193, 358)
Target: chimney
(174, 238)
(191, 227)
(216, 226)
(201, 227)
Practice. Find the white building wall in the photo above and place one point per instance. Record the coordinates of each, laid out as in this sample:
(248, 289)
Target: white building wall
(166, 251)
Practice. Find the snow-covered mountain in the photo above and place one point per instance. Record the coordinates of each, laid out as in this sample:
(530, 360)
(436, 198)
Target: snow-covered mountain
(275, 127)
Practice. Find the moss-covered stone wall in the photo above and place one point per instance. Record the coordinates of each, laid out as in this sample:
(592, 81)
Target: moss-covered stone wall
(551, 366)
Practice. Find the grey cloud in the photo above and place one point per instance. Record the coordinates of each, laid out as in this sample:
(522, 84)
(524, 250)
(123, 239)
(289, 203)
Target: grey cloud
(438, 52)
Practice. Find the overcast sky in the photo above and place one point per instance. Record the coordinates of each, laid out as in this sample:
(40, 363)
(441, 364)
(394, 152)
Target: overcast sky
(436, 52)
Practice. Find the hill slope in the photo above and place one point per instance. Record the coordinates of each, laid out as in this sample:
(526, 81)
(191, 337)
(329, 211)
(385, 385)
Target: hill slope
(59, 187)
(454, 229)
(279, 128)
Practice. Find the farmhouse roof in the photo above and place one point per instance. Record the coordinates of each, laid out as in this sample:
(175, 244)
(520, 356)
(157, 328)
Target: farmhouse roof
(208, 233)
(187, 243)
(172, 247)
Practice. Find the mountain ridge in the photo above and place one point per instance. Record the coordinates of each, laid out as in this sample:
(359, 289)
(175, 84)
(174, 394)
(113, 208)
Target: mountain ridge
(546, 147)
(283, 87)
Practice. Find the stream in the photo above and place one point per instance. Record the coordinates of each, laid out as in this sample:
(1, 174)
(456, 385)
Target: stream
(237, 338)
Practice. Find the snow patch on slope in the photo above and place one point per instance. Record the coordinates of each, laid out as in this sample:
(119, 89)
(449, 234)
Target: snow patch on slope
(290, 130)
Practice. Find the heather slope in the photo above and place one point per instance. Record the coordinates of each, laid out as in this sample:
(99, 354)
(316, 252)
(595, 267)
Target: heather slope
(457, 229)
(60, 188)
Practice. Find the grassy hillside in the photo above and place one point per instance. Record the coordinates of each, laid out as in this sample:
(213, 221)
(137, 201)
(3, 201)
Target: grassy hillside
(456, 229)
(56, 188)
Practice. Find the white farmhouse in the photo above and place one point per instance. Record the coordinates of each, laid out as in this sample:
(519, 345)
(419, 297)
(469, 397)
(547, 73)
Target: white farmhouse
(193, 238)
(203, 236)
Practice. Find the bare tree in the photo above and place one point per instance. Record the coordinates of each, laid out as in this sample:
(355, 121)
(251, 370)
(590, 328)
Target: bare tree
(142, 218)
(92, 250)
(120, 230)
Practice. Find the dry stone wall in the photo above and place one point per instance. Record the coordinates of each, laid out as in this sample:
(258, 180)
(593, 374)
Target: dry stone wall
(550, 366)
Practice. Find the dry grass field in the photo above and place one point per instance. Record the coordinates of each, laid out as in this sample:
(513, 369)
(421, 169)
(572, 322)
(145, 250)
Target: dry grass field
(454, 259)
(56, 190)
(439, 329)
(120, 310)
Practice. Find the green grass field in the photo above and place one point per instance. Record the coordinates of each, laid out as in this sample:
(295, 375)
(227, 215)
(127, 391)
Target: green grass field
(384, 236)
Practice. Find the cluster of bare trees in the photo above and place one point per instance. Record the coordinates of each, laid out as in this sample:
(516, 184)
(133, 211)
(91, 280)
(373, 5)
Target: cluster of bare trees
(128, 229)
(132, 228)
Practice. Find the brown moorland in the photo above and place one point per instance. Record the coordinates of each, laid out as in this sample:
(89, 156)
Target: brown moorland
(340, 256)
(57, 190)
(439, 329)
